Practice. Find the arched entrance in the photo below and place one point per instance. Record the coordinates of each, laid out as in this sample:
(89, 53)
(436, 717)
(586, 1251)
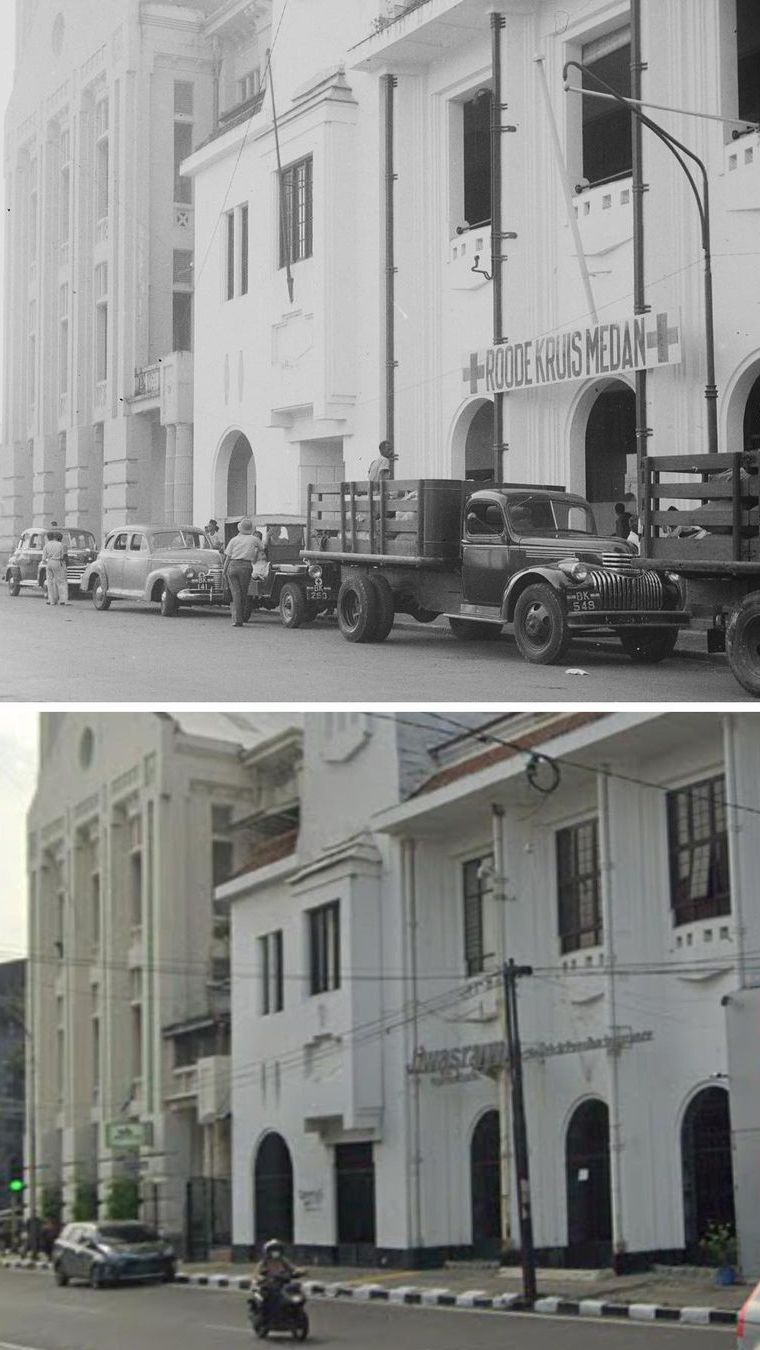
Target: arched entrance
(472, 442)
(273, 1190)
(234, 478)
(485, 1185)
(610, 451)
(587, 1162)
(751, 438)
(708, 1181)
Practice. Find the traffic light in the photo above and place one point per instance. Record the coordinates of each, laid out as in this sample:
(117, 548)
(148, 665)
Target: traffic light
(16, 1185)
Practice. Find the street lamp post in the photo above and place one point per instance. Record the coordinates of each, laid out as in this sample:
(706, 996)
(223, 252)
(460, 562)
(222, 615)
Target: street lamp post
(31, 1122)
(677, 149)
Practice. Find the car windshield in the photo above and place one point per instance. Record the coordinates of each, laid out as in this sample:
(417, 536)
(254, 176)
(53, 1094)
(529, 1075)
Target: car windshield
(79, 539)
(284, 534)
(166, 539)
(550, 515)
(127, 1232)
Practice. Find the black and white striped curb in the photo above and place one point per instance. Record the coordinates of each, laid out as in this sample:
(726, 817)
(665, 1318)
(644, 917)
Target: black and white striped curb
(478, 1300)
(24, 1263)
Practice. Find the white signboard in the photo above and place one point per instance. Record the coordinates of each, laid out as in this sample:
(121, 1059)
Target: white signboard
(636, 342)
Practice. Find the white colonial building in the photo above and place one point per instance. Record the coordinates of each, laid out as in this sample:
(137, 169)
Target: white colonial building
(292, 384)
(615, 854)
(128, 988)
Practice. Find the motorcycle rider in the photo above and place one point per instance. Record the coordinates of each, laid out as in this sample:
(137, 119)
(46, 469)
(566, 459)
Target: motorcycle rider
(272, 1271)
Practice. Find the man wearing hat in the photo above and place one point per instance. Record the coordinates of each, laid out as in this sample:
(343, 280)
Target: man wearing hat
(244, 549)
(213, 535)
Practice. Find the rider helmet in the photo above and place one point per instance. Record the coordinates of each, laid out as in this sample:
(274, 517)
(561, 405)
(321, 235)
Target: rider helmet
(273, 1247)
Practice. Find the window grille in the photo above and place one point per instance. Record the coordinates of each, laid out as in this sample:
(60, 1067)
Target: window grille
(700, 884)
(324, 947)
(296, 212)
(475, 885)
(579, 886)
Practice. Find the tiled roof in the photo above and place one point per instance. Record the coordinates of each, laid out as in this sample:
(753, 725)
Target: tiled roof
(496, 754)
(267, 852)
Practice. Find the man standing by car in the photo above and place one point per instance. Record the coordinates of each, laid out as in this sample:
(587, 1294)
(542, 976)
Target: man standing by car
(214, 537)
(243, 550)
(54, 563)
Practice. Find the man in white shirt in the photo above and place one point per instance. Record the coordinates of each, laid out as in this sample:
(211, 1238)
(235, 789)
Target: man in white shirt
(382, 467)
(244, 549)
(54, 562)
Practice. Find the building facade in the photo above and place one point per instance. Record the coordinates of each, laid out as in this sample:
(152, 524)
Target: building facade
(128, 991)
(292, 383)
(107, 101)
(612, 854)
(12, 1057)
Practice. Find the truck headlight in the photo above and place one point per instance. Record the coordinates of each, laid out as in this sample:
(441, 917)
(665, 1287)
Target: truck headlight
(189, 572)
(315, 571)
(575, 570)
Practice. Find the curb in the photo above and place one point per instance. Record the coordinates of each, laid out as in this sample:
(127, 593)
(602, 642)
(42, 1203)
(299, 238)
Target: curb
(477, 1300)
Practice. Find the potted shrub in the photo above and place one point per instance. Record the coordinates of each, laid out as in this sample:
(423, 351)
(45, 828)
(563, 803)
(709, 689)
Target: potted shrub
(719, 1246)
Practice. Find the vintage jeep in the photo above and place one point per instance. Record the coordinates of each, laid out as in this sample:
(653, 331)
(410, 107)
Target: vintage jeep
(168, 565)
(24, 568)
(288, 584)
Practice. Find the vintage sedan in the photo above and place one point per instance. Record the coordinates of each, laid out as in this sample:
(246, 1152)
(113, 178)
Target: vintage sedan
(112, 1251)
(166, 565)
(25, 569)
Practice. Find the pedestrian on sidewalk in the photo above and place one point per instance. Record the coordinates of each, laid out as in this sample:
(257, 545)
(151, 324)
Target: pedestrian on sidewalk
(244, 549)
(54, 562)
(382, 466)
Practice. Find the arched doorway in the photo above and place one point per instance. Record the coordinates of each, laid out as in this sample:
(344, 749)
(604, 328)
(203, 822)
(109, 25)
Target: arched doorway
(273, 1190)
(587, 1163)
(234, 479)
(751, 438)
(472, 441)
(485, 1185)
(708, 1179)
(610, 451)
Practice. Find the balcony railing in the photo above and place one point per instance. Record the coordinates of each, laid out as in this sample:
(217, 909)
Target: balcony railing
(394, 11)
(148, 381)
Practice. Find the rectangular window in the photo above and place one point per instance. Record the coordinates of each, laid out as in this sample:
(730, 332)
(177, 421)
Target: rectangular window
(183, 98)
(324, 948)
(222, 849)
(95, 909)
(244, 249)
(748, 58)
(182, 322)
(249, 85)
(272, 983)
(63, 339)
(700, 886)
(296, 212)
(136, 887)
(606, 126)
(95, 1056)
(476, 116)
(101, 341)
(33, 226)
(475, 882)
(183, 145)
(230, 255)
(101, 159)
(136, 1012)
(579, 896)
(64, 195)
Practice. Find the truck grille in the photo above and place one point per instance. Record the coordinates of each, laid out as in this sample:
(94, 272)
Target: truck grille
(640, 590)
(74, 571)
(619, 562)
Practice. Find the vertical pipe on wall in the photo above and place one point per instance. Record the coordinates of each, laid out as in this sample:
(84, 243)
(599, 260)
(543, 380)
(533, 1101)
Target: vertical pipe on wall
(497, 262)
(409, 894)
(734, 829)
(608, 930)
(639, 287)
(389, 84)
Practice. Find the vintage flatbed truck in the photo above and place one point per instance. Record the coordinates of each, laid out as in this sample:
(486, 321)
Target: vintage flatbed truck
(700, 522)
(483, 556)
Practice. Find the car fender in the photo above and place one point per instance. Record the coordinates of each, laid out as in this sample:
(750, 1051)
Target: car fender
(553, 576)
(171, 577)
(94, 571)
(12, 569)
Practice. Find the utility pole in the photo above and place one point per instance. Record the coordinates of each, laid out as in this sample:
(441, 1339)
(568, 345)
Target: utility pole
(505, 1152)
(510, 975)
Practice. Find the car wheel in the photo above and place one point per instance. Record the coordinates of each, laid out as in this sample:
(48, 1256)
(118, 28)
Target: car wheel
(96, 1276)
(468, 630)
(100, 596)
(358, 609)
(301, 1328)
(169, 1275)
(14, 584)
(386, 608)
(61, 1278)
(649, 645)
(169, 603)
(743, 644)
(292, 605)
(541, 630)
(260, 1328)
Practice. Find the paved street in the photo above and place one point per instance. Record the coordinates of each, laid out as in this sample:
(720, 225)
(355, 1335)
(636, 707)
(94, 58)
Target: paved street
(36, 1315)
(130, 653)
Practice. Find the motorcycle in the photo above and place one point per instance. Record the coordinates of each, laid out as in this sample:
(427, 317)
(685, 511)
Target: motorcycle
(279, 1304)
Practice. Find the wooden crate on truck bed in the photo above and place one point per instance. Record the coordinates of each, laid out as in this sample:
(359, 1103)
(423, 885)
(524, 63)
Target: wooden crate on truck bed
(409, 520)
(701, 507)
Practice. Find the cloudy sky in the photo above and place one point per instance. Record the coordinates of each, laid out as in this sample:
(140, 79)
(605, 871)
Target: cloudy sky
(7, 8)
(18, 765)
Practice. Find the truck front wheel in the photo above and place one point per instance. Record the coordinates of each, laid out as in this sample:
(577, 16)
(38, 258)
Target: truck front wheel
(541, 630)
(648, 645)
(743, 644)
(358, 609)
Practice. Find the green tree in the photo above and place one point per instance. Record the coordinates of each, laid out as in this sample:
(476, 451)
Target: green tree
(85, 1201)
(51, 1203)
(123, 1199)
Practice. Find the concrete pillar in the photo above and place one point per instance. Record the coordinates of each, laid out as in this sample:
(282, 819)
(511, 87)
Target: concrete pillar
(183, 474)
(127, 446)
(15, 494)
(80, 499)
(47, 481)
(171, 455)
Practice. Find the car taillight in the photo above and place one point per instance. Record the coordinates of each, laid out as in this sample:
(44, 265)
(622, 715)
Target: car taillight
(741, 1321)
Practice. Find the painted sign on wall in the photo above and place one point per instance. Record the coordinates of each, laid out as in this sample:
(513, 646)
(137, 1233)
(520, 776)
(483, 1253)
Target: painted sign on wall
(637, 342)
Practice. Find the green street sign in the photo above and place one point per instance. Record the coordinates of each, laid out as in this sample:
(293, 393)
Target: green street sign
(127, 1134)
(17, 1185)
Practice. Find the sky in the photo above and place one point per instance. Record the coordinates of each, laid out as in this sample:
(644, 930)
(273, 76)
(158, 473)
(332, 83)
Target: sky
(7, 26)
(18, 768)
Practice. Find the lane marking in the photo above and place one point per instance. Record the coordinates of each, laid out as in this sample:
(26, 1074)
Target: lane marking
(6, 1345)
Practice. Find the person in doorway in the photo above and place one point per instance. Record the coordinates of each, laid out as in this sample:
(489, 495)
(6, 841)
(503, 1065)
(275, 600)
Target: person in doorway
(244, 549)
(214, 536)
(382, 466)
(54, 563)
(622, 521)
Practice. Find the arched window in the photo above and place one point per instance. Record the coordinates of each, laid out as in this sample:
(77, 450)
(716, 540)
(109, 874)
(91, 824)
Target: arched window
(273, 1190)
(485, 1184)
(587, 1160)
(708, 1182)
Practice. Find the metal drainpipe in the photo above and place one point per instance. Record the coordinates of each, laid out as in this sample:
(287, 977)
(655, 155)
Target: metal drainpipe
(639, 288)
(409, 893)
(497, 23)
(504, 1081)
(608, 912)
(389, 84)
(734, 828)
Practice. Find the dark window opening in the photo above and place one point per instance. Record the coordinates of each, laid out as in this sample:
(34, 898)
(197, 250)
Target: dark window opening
(475, 877)
(230, 254)
(296, 212)
(700, 885)
(244, 250)
(748, 58)
(606, 126)
(324, 945)
(578, 887)
(477, 158)
(183, 145)
(182, 321)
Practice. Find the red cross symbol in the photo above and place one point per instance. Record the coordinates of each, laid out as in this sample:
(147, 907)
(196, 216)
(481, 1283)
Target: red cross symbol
(474, 372)
(662, 337)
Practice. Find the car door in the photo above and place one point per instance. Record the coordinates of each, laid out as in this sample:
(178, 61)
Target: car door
(485, 553)
(117, 563)
(136, 563)
(32, 556)
(70, 1257)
